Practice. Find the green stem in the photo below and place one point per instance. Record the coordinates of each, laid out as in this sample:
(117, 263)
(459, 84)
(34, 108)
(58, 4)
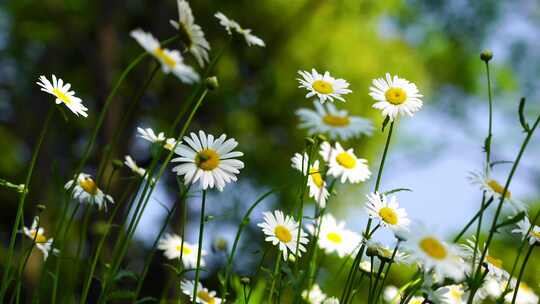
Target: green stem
(243, 223)
(154, 245)
(23, 265)
(352, 272)
(501, 201)
(472, 220)
(199, 248)
(490, 121)
(22, 199)
(387, 271)
(275, 275)
(521, 271)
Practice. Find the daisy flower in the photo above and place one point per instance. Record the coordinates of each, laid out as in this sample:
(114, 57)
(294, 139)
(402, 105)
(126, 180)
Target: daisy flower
(495, 190)
(204, 296)
(282, 230)
(171, 61)
(208, 159)
(171, 244)
(334, 237)
(230, 24)
(435, 254)
(314, 295)
(195, 41)
(160, 139)
(494, 264)
(323, 86)
(316, 183)
(395, 96)
(416, 300)
(37, 235)
(523, 228)
(337, 124)
(332, 300)
(391, 294)
(386, 209)
(86, 191)
(132, 165)
(63, 94)
(525, 295)
(455, 294)
(343, 163)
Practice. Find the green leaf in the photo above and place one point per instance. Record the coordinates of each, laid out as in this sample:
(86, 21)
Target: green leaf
(146, 300)
(512, 220)
(396, 190)
(121, 295)
(487, 143)
(500, 162)
(522, 119)
(122, 274)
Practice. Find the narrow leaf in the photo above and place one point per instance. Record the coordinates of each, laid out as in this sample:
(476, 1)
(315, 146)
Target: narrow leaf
(396, 190)
(385, 122)
(522, 118)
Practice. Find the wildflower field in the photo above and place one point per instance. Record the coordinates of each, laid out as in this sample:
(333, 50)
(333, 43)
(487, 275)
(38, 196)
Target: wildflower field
(285, 152)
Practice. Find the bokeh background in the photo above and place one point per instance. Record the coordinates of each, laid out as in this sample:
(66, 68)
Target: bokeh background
(435, 44)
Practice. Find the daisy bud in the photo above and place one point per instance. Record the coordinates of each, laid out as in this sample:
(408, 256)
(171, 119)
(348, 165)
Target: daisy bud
(486, 55)
(245, 280)
(208, 218)
(20, 188)
(220, 244)
(292, 258)
(322, 138)
(117, 164)
(212, 83)
(309, 141)
(371, 251)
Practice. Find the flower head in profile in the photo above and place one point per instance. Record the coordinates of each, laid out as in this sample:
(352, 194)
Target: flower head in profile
(171, 61)
(132, 165)
(493, 263)
(316, 183)
(323, 86)
(37, 235)
(495, 190)
(230, 25)
(395, 96)
(192, 34)
(86, 191)
(532, 233)
(212, 160)
(160, 139)
(525, 294)
(386, 209)
(385, 253)
(204, 296)
(63, 93)
(173, 248)
(334, 237)
(435, 254)
(314, 295)
(337, 124)
(344, 163)
(282, 230)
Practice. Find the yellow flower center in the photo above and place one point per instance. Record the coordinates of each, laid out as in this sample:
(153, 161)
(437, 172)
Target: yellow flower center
(316, 177)
(496, 187)
(283, 234)
(433, 247)
(388, 215)
(494, 261)
(60, 95)
(535, 234)
(336, 121)
(323, 87)
(334, 237)
(456, 293)
(205, 296)
(207, 159)
(185, 251)
(38, 238)
(168, 60)
(169, 146)
(395, 96)
(346, 160)
(89, 186)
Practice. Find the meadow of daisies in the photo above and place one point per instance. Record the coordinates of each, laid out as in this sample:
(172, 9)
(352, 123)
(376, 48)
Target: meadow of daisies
(298, 240)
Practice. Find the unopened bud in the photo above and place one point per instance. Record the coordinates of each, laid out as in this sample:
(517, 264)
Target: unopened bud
(220, 244)
(41, 208)
(212, 83)
(292, 258)
(486, 55)
(117, 164)
(322, 138)
(309, 141)
(245, 280)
